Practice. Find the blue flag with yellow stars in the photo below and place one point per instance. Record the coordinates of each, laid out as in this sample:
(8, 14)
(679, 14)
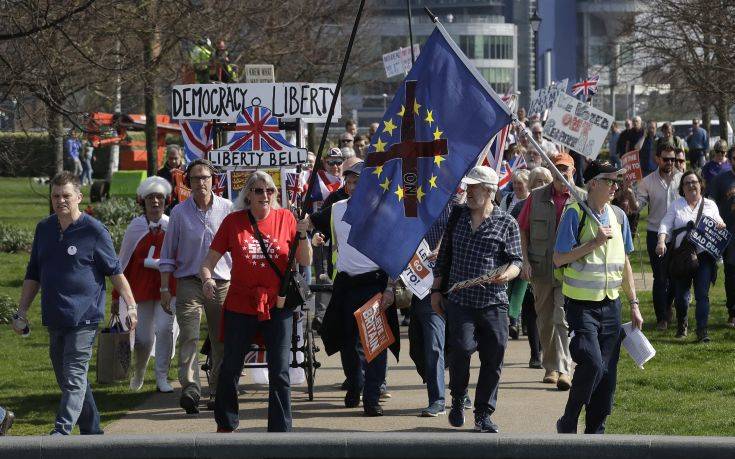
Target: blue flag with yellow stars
(431, 134)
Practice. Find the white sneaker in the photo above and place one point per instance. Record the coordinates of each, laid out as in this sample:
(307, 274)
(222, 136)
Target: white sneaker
(164, 386)
(136, 381)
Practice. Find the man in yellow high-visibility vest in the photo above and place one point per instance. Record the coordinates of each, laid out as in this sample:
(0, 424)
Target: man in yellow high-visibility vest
(593, 265)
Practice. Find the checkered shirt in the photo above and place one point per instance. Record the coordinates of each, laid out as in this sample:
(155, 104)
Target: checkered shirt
(496, 242)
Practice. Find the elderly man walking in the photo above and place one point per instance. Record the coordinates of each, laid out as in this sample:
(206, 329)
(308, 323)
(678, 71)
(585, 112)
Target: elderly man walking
(538, 221)
(191, 229)
(479, 239)
(72, 254)
(594, 265)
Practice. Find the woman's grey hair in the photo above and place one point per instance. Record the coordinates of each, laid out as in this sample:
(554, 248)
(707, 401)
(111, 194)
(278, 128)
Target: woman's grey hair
(539, 173)
(522, 175)
(243, 203)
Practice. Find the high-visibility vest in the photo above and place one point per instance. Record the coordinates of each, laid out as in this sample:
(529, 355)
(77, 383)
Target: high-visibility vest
(598, 274)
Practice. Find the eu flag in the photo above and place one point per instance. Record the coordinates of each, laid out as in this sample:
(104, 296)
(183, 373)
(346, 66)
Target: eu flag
(431, 134)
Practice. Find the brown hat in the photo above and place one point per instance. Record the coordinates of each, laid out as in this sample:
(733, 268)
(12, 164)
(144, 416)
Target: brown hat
(563, 158)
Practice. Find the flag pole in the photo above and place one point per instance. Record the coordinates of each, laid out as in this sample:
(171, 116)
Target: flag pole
(572, 189)
(313, 177)
(410, 31)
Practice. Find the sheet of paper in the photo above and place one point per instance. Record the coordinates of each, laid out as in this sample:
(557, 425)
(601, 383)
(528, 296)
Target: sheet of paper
(637, 345)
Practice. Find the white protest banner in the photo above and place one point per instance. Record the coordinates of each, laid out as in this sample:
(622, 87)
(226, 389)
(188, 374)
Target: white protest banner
(228, 159)
(223, 102)
(399, 62)
(259, 73)
(574, 124)
(544, 98)
(632, 165)
(708, 237)
(419, 274)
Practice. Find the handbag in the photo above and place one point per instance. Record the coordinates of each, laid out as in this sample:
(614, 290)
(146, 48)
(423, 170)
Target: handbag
(297, 290)
(113, 352)
(683, 261)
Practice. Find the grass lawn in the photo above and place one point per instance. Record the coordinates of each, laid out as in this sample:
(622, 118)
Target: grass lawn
(687, 389)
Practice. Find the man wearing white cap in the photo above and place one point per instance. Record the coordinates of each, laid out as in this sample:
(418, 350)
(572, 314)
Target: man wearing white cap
(594, 265)
(479, 238)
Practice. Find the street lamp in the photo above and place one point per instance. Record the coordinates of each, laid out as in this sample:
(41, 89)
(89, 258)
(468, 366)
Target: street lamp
(535, 21)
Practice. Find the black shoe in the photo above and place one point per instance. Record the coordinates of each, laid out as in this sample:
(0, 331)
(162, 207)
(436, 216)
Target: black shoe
(702, 336)
(7, 422)
(344, 385)
(483, 423)
(535, 363)
(316, 324)
(189, 403)
(210, 404)
(681, 330)
(372, 411)
(513, 331)
(456, 414)
(560, 428)
(406, 321)
(352, 400)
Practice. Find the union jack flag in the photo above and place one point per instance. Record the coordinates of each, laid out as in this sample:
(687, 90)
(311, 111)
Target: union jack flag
(256, 130)
(498, 144)
(198, 139)
(586, 87)
(219, 184)
(294, 185)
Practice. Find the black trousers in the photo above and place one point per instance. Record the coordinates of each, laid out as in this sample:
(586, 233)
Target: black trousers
(730, 289)
(595, 346)
(484, 330)
(528, 317)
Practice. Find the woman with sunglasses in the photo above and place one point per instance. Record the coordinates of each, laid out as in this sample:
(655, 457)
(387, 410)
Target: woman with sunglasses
(252, 304)
(682, 214)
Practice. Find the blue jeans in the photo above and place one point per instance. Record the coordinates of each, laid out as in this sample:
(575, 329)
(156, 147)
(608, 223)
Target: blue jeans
(484, 330)
(433, 328)
(70, 350)
(86, 171)
(239, 331)
(662, 290)
(595, 347)
(702, 280)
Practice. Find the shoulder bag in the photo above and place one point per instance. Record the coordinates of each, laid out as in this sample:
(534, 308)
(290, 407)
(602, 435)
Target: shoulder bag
(297, 290)
(682, 260)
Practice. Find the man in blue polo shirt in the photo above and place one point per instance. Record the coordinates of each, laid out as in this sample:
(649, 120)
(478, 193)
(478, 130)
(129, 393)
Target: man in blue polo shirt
(71, 255)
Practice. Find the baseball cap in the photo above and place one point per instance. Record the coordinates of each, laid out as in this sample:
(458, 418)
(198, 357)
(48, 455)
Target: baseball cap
(335, 152)
(481, 174)
(355, 168)
(563, 158)
(598, 168)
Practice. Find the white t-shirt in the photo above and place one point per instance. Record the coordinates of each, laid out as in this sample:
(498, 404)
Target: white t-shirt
(349, 260)
(679, 214)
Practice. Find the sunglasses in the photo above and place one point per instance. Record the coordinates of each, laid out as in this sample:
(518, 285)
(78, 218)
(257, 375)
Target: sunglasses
(268, 191)
(611, 182)
(334, 163)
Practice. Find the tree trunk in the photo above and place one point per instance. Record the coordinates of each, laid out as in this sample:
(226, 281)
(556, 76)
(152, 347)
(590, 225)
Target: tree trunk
(723, 117)
(149, 99)
(56, 137)
(705, 117)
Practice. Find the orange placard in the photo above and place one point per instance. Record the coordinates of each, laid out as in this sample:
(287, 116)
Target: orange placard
(632, 166)
(375, 333)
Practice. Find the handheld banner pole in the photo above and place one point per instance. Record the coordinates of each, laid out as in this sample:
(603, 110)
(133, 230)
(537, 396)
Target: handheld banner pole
(312, 178)
(572, 189)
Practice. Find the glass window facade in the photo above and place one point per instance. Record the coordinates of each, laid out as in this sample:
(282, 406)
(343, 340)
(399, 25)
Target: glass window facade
(487, 46)
(501, 79)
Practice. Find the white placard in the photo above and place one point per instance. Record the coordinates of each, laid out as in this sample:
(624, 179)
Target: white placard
(419, 274)
(223, 102)
(578, 126)
(259, 73)
(288, 157)
(637, 345)
(399, 62)
(544, 98)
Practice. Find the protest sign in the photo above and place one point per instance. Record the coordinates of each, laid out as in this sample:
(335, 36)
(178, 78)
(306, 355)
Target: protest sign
(375, 333)
(226, 159)
(223, 102)
(577, 126)
(399, 62)
(259, 73)
(544, 98)
(709, 238)
(632, 166)
(418, 275)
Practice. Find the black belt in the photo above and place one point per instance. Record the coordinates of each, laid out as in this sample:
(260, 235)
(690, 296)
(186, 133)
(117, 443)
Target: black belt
(372, 277)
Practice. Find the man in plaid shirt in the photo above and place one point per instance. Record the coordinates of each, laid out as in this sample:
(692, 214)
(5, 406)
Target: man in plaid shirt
(479, 239)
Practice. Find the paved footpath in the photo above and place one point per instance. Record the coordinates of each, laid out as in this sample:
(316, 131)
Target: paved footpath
(525, 405)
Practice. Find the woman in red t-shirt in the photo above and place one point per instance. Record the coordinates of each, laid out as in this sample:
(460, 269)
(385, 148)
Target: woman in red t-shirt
(139, 254)
(250, 305)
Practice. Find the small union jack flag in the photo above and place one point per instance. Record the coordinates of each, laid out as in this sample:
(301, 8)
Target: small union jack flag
(586, 87)
(197, 138)
(256, 130)
(219, 184)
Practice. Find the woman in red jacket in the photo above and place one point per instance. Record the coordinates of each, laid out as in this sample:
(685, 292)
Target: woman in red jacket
(251, 302)
(139, 254)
